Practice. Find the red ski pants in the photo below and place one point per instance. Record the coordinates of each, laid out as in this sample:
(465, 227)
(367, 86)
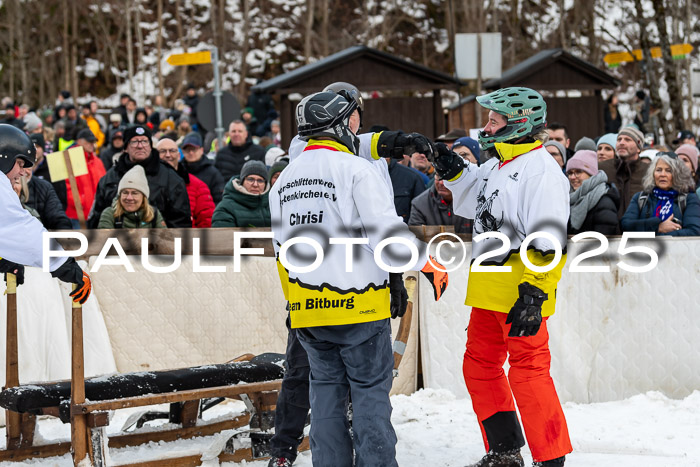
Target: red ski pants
(528, 379)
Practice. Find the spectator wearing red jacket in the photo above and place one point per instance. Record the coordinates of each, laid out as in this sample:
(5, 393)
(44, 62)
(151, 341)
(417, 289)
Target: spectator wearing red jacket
(86, 184)
(201, 202)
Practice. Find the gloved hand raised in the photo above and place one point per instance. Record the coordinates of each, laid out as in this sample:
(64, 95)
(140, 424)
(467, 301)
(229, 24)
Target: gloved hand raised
(437, 277)
(526, 314)
(12, 268)
(71, 272)
(397, 294)
(396, 144)
(448, 164)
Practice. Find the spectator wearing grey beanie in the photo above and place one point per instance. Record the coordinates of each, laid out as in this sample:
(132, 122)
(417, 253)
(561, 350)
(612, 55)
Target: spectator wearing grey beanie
(245, 202)
(585, 143)
(627, 170)
(558, 152)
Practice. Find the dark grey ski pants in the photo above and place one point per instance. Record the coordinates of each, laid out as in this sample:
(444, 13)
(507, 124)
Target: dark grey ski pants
(355, 360)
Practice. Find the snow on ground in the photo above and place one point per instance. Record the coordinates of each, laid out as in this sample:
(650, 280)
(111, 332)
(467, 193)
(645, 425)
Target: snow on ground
(434, 428)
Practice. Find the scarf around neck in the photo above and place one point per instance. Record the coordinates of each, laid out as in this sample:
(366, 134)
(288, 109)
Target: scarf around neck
(586, 197)
(664, 207)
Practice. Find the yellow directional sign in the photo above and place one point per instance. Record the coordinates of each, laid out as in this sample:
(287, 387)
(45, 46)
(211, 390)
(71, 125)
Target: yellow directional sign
(615, 58)
(194, 58)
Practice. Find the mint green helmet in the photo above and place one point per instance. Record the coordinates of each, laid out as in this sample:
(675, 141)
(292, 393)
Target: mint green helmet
(524, 109)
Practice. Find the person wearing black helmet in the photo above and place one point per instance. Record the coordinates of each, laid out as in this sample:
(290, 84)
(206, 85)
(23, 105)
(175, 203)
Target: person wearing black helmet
(21, 234)
(518, 191)
(341, 316)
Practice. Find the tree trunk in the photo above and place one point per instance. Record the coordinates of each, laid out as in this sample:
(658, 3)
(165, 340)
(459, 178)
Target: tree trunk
(42, 59)
(325, 19)
(652, 81)
(159, 50)
(11, 48)
(184, 43)
(222, 30)
(562, 25)
(308, 29)
(129, 47)
(74, 50)
(674, 92)
(22, 55)
(245, 48)
(66, 48)
(139, 39)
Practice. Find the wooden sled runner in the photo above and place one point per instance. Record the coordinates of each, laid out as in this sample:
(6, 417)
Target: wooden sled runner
(85, 404)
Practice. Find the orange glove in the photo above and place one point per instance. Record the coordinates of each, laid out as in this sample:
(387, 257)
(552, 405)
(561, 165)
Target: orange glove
(71, 272)
(82, 291)
(437, 277)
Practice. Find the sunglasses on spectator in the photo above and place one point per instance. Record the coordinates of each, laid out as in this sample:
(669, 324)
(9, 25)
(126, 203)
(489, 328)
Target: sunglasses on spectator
(255, 181)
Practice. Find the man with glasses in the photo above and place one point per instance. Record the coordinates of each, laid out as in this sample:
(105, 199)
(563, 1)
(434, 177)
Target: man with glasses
(202, 167)
(245, 202)
(201, 204)
(167, 190)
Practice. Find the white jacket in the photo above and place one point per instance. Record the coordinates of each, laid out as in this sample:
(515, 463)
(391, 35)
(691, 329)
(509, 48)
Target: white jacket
(329, 192)
(526, 194)
(20, 233)
(380, 165)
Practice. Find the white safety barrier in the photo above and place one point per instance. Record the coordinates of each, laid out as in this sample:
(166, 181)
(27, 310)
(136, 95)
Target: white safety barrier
(614, 334)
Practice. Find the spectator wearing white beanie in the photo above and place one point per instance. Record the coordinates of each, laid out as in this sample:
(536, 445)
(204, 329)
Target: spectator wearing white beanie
(131, 209)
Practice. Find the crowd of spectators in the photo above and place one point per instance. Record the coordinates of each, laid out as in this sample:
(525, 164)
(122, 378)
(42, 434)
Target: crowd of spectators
(181, 176)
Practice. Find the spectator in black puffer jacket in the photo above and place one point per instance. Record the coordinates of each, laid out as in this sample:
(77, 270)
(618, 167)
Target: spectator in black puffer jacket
(230, 159)
(594, 202)
(42, 197)
(167, 190)
(201, 166)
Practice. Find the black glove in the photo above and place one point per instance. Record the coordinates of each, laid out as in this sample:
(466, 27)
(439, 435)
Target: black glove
(71, 272)
(448, 164)
(398, 295)
(396, 144)
(421, 144)
(526, 314)
(12, 268)
(392, 143)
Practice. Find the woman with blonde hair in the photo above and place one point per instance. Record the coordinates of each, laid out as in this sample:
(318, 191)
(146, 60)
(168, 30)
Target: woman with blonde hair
(131, 209)
(667, 204)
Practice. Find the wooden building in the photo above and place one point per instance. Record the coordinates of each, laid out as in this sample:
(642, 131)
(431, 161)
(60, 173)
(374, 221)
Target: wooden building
(398, 94)
(571, 87)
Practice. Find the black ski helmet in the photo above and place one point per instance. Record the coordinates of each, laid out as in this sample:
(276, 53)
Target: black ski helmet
(348, 91)
(14, 143)
(327, 115)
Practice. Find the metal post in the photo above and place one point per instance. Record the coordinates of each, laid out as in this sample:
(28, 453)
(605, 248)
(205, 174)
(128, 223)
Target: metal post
(217, 95)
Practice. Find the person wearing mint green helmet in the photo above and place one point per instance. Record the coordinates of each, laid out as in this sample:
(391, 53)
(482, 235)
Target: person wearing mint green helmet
(518, 190)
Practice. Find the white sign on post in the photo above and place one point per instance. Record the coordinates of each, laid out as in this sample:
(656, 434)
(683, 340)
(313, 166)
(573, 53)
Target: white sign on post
(467, 53)
(695, 82)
